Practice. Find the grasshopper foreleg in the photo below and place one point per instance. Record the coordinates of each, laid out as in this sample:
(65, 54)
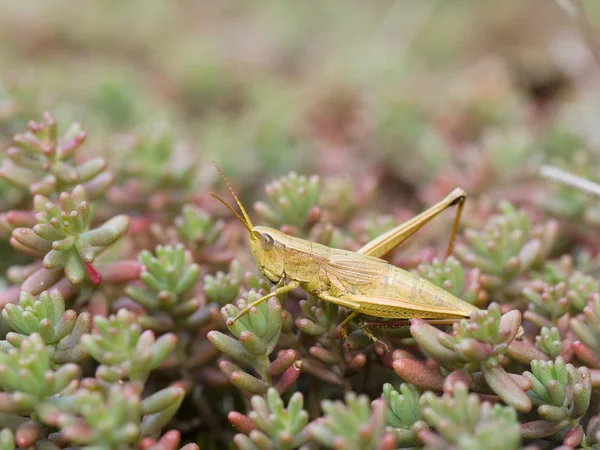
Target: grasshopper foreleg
(276, 292)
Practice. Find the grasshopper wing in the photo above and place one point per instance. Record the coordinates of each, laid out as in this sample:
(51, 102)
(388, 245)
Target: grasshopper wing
(349, 270)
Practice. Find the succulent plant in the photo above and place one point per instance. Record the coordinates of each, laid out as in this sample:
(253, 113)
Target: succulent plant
(197, 228)
(270, 424)
(123, 350)
(62, 236)
(44, 164)
(200, 232)
(562, 395)
(462, 421)
(256, 335)
(28, 375)
(223, 288)
(549, 341)
(479, 344)
(343, 196)
(352, 425)
(586, 327)
(567, 296)
(403, 412)
(507, 246)
(320, 317)
(47, 317)
(373, 226)
(158, 172)
(167, 281)
(123, 415)
(293, 201)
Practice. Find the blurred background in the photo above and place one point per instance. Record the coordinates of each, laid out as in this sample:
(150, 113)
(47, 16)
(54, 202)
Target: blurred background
(419, 96)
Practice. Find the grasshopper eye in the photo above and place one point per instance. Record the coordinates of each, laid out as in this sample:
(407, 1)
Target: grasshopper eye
(266, 241)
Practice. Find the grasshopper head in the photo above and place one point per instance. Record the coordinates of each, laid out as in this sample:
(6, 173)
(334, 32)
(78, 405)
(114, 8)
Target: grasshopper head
(268, 252)
(265, 243)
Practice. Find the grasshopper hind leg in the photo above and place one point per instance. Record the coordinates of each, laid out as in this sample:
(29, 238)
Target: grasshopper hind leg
(365, 329)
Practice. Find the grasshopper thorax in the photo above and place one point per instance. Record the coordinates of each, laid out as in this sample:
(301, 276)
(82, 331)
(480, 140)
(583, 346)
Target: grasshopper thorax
(268, 252)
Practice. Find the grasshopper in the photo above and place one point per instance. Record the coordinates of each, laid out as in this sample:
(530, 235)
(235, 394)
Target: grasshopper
(359, 281)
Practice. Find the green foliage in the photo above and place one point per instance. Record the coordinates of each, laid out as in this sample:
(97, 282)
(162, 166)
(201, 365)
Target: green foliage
(150, 157)
(197, 228)
(168, 280)
(44, 163)
(223, 288)
(507, 246)
(561, 393)
(549, 341)
(319, 317)
(464, 422)
(282, 428)
(293, 201)
(111, 417)
(60, 329)
(123, 350)
(353, 425)
(28, 374)
(255, 336)
(46, 316)
(62, 236)
(477, 344)
(403, 411)
(569, 295)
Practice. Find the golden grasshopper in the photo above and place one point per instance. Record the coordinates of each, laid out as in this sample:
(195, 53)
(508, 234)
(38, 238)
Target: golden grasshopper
(359, 281)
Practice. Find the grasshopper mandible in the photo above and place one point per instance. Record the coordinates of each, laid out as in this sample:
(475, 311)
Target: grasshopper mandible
(359, 281)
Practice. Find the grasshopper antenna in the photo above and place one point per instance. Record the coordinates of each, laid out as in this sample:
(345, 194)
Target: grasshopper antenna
(246, 219)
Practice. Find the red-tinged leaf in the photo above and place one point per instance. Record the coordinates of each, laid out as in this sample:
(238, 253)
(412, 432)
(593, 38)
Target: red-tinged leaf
(93, 273)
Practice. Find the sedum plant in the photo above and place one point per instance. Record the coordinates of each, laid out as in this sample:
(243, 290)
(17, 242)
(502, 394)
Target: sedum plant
(167, 280)
(118, 297)
(352, 424)
(270, 424)
(111, 417)
(197, 228)
(403, 412)
(62, 238)
(124, 350)
(508, 246)
(562, 396)
(255, 337)
(43, 162)
(223, 288)
(28, 375)
(59, 329)
(478, 346)
(292, 201)
(462, 421)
